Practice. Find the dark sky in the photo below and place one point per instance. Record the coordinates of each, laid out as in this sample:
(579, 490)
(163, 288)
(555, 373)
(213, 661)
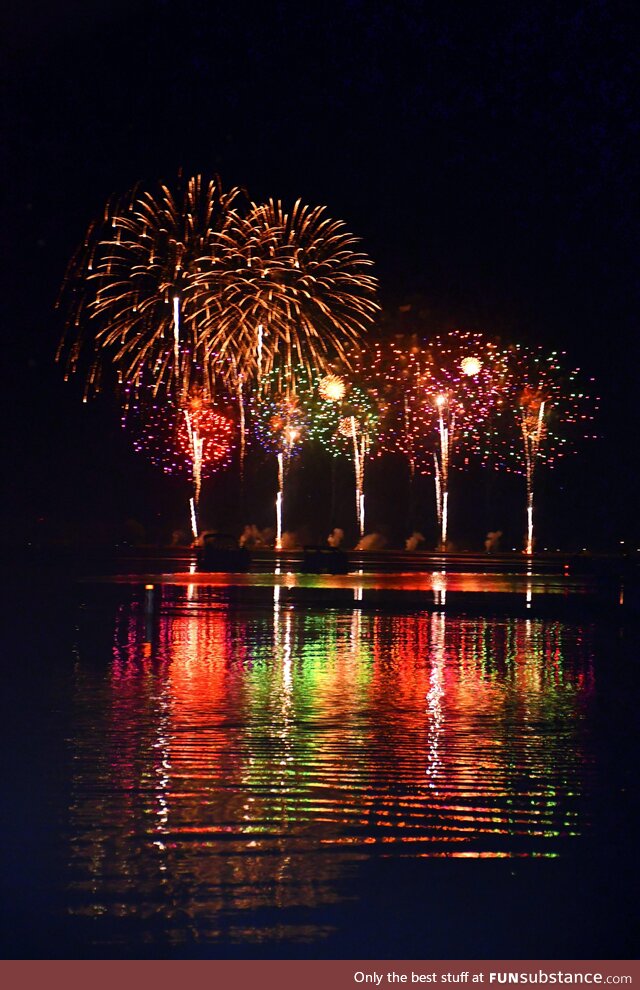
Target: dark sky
(486, 154)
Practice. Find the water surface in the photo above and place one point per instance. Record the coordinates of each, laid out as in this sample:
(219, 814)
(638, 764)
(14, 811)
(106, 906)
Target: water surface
(230, 774)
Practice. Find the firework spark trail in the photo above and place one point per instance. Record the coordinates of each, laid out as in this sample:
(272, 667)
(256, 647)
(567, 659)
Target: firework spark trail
(438, 486)
(242, 424)
(259, 350)
(194, 520)
(197, 444)
(279, 500)
(237, 386)
(531, 413)
(176, 335)
(356, 463)
(360, 446)
(446, 430)
(531, 448)
(359, 452)
(291, 436)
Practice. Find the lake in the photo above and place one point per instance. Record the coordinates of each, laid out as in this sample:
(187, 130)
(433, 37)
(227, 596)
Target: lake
(421, 765)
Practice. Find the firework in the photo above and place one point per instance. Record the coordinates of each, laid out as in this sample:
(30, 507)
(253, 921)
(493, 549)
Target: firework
(463, 385)
(471, 366)
(332, 388)
(548, 412)
(300, 295)
(280, 422)
(435, 402)
(134, 287)
(348, 426)
(195, 440)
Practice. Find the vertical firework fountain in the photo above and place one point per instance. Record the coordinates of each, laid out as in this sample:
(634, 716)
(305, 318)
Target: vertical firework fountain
(206, 438)
(344, 419)
(280, 424)
(353, 428)
(194, 440)
(441, 458)
(532, 423)
(195, 445)
(462, 381)
(547, 413)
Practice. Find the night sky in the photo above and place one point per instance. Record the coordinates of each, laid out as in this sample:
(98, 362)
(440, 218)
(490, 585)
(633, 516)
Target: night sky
(486, 155)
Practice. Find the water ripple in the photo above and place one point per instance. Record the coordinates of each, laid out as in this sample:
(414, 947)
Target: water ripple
(232, 759)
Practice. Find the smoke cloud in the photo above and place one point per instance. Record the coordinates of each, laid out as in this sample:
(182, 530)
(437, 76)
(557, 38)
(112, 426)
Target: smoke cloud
(254, 538)
(335, 538)
(492, 541)
(372, 541)
(290, 541)
(414, 541)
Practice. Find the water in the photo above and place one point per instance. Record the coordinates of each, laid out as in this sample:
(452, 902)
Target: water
(215, 768)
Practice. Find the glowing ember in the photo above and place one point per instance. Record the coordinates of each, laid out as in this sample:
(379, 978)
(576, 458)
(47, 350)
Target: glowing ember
(471, 366)
(332, 388)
